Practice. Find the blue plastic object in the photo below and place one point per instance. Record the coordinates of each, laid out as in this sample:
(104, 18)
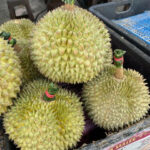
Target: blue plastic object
(108, 12)
(138, 25)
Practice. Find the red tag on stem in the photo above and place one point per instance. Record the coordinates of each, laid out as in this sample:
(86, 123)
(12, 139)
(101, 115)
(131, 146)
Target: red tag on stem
(49, 95)
(9, 38)
(119, 59)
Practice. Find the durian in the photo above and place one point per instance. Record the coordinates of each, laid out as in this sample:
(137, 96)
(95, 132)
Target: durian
(70, 45)
(29, 70)
(19, 28)
(10, 75)
(117, 97)
(36, 123)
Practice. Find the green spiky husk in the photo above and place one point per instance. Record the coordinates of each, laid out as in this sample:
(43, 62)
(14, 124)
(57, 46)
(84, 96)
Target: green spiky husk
(19, 28)
(113, 103)
(35, 124)
(29, 71)
(10, 75)
(71, 46)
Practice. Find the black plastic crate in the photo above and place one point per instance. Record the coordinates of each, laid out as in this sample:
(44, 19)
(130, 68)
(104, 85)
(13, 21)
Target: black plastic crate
(135, 59)
(113, 11)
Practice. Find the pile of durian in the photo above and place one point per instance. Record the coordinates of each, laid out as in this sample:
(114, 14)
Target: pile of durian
(68, 45)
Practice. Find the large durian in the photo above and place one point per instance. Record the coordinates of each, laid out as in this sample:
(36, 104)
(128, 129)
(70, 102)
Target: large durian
(45, 120)
(19, 28)
(10, 75)
(71, 45)
(117, 97)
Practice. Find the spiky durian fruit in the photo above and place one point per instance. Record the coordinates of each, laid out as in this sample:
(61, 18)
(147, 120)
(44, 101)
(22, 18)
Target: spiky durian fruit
(113, 103)
(19, 28)
(35, 123)
(10, 75)
(71, 45)
(29, 70)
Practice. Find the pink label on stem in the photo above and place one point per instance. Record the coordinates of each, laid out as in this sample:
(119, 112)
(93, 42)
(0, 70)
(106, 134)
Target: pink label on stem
(9, 38)
(118, 59)
(49, 95)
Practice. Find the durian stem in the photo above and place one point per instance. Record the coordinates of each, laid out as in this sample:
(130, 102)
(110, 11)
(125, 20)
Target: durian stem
(7, 36)
(69, 1)
(69, 4)
(17, 48)
(118, 61)
(69, 7)
(119, 73)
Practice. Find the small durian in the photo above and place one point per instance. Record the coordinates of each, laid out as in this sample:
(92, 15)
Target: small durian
(117, 97)
(70, 45)
(10, 74)
(45, 117)
(20, 29)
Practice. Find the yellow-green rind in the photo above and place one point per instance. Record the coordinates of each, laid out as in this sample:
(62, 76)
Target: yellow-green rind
(113, 103)
(10, 75)
(29, 70)
(35, 124)
(71, 46)
(20, 29)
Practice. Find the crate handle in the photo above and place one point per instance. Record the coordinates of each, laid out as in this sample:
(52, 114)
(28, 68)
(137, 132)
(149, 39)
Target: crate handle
(122, 8)
(109, 9)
